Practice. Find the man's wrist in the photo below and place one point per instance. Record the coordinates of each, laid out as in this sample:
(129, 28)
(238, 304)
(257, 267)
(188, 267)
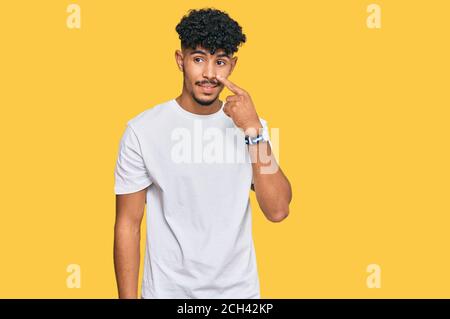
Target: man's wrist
(253, 130)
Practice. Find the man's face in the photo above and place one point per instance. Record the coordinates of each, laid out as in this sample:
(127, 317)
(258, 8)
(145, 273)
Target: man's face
(200, 69)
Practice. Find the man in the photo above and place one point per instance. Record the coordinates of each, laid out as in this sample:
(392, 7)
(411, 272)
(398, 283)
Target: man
(199, 236)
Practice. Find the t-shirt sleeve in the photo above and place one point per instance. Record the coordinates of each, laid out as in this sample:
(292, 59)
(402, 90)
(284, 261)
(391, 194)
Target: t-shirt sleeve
(130, 172)
(265, 132)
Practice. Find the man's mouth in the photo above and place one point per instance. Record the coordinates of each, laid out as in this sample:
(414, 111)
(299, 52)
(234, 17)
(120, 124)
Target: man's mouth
(208, 88)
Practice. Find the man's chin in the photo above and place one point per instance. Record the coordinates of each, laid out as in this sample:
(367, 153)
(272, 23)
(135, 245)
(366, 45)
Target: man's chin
(205, 101)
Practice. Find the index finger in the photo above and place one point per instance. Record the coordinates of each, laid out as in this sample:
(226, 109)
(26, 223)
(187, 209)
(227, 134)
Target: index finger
(230, 85)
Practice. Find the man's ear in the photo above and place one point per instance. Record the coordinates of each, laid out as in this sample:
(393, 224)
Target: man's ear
(179, 59)
(233, 64)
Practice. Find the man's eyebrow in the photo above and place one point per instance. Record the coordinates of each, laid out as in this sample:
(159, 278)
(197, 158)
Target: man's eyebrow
(198, 51)
(204, 53)
(223, 55)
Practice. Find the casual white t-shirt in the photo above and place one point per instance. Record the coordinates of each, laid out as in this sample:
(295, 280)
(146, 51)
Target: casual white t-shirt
(199, 229)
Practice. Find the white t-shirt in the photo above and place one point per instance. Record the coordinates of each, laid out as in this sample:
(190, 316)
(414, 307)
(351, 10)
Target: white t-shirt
(199, 227)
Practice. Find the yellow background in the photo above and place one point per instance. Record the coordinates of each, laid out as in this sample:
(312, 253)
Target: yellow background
(364, 135)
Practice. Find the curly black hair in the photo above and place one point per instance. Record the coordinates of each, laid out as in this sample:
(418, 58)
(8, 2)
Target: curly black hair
(210, 28)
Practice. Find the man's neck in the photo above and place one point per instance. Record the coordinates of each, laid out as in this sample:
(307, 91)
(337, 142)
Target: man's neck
(190, 105)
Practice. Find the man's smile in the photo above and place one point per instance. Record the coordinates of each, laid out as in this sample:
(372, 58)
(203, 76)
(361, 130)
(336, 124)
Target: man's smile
(208, 87)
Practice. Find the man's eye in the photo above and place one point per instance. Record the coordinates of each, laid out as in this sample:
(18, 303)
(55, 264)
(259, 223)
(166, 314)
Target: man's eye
(222, 62)
(195, 59)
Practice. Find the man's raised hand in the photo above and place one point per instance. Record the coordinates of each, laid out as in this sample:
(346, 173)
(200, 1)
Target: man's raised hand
(240, 108)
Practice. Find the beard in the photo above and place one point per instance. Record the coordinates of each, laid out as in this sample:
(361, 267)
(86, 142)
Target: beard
(204, 102)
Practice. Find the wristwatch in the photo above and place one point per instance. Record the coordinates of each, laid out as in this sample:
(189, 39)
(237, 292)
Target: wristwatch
(249, 140)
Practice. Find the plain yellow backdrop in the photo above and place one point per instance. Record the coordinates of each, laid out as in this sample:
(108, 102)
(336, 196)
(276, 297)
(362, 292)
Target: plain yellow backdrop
(363, 116)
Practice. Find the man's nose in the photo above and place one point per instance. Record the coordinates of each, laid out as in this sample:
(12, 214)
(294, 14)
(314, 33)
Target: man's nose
(209, 72)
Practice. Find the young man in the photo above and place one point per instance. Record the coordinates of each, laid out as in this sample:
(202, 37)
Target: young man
(199, 236)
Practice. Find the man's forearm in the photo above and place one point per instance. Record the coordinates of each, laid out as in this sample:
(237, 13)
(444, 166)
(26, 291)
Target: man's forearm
(272, 188)
(127, 259)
